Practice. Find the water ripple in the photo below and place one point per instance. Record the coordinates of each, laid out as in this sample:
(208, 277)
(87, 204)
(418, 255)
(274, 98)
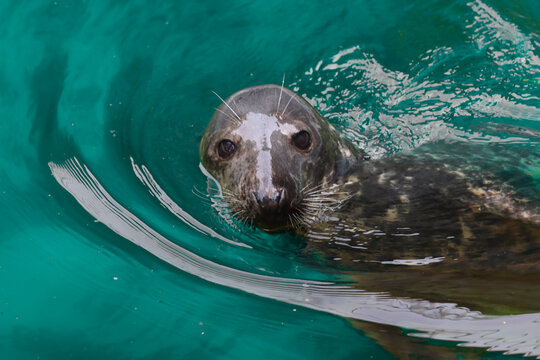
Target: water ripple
(450, 94)
(147, 179)
(516, 334)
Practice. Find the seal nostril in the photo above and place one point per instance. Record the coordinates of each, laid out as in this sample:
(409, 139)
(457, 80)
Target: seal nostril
(270, 202)
(282, 197)
(256, 198)
(278, 197)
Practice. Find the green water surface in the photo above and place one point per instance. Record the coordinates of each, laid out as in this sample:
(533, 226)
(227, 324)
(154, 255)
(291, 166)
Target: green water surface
(112, 81)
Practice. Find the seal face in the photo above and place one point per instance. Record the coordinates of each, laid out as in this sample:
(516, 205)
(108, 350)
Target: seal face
(275, 157)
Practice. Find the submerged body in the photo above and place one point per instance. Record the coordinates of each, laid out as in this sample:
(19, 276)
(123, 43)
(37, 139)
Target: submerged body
(283, 167)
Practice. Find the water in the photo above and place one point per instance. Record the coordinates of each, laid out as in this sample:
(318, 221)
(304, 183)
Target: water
(127, 91)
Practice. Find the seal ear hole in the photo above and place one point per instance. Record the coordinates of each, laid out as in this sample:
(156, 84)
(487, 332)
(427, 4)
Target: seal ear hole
(302, 140)
(226, 148)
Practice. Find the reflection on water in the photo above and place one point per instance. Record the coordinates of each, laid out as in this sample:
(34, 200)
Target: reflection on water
(444, 321)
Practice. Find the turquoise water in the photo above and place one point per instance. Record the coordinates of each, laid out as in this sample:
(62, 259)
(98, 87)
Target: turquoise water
(120, 87)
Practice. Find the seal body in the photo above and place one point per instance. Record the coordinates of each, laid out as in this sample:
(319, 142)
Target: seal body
(283, 167)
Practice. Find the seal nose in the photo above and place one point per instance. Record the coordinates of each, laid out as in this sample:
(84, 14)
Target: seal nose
(271, 209)
(271, 203)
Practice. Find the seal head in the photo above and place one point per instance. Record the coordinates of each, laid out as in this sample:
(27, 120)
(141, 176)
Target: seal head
(274, 155)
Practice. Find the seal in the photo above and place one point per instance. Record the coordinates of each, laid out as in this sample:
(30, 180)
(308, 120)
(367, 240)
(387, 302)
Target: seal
(283, 167)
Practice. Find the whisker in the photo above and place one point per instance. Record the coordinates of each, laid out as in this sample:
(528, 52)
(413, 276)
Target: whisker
(228, 116)
(323, 201)
(198, 192)
(307, 188)
(294, 221)
(286, 106)
(281, 92)
(204, 197)
(314, 189)
(238, 213)
(290, 221)
(230, 197)
(318, 200)
(230, 108)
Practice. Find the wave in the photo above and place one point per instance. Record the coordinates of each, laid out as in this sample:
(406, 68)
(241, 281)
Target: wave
(515, 334)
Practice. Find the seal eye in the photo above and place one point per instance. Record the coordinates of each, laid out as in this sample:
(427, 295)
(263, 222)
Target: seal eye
(226, 148)
(302, 140)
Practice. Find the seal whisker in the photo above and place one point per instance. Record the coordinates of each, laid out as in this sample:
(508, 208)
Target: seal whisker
(323, 200)
(313, 191)
(291, 222)
(307, 190)
(228, 116)
(201, 196)
(286, 106)
(280, 92)
(238, 213)
(296, 220)
(230, 108)
(312, 212)
(198, 192)
(305, 187)
(319, 200)
(244, 220)
(229, 195)
(300, 221)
